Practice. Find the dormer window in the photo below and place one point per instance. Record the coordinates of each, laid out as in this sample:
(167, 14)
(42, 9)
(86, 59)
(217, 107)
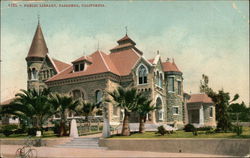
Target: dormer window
(79, 67)
(82, 63)
(76, 67)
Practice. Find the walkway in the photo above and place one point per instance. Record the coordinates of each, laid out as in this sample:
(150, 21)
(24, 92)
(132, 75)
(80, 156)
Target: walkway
(55, 152)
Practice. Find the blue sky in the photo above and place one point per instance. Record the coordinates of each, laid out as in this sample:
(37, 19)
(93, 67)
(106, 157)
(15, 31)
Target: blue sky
(203, 37)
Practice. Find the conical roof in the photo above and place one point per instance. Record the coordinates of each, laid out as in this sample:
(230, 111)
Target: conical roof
(38, 46)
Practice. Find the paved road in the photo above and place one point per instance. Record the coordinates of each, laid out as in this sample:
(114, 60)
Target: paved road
(54, 152)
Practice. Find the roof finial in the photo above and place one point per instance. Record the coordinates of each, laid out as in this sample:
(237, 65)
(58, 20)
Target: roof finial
(126, 28)
(98, 45)
(38, 18)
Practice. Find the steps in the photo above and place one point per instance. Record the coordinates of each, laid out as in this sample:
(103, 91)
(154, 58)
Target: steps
(86, 143)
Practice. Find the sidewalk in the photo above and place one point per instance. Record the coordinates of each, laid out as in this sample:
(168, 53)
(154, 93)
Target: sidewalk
(54, 152)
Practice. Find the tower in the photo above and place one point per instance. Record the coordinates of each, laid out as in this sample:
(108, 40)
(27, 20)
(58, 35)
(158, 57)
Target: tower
(36, 55)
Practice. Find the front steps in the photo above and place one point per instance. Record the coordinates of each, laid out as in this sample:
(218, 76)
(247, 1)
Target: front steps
(86, 143)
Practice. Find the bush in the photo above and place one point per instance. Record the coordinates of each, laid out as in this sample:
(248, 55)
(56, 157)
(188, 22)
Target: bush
(207, 128)
(19, 131)
(189, 128)
(195, 132)
(161, 130)
(8, 129)
(32, 131)
(238, 130)
(7, 132)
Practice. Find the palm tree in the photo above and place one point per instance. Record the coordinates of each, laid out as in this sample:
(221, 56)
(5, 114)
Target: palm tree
(125, 99)
(143, 108)
(87, 108)
(63, 104)
(31, 107)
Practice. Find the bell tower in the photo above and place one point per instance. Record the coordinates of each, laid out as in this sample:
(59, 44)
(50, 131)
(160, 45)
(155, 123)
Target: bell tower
(36, 55)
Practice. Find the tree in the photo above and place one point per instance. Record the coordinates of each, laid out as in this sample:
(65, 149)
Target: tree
(62, 105)
(125, 99)
(87, 109)
(31, 107)
(239, 112)
(143, 107)
(221, 101)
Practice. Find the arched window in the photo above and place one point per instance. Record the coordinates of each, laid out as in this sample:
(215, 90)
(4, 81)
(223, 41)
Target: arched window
(77, 94)
(159, 111)
(98, 96)
(142, 74)
(160, 80)
(34, 74)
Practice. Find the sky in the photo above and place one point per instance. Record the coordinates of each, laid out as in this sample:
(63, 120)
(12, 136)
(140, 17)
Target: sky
(203, 37)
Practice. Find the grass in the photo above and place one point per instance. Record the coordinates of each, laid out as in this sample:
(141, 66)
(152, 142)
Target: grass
(183, 134)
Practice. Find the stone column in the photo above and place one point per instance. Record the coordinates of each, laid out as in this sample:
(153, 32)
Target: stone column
(106, 124)
(201, 123)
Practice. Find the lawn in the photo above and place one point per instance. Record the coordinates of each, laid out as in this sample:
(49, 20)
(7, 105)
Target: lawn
(183, 134)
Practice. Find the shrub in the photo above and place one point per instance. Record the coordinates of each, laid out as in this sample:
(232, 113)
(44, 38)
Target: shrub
(238, 130)
(32, 131)
(8, 129)
(161, 130)
(7, 132)
(19, 131)
(195, 132)
(207, 128)
(189, 128)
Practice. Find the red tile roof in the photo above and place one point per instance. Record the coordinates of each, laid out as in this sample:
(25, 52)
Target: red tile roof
(119, 63)
(199, 98)
(86, 58)
(124, 60)
(151, 60)
(168, 66)
(60, 65)
(126, 39)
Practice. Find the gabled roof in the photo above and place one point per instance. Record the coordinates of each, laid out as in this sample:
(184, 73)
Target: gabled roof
(199, 98)
(124, 60)
(98, 66)
(126, 39)
(60, 65)
(170, 67)
(38, 46)
(83, 58)
(120, 63)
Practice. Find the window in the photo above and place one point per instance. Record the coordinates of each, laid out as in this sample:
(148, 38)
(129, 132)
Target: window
(159, 109)
(81, 66)
(77, 94)
(98, 96)
(34, 74)
(179, 87)
(171, 84)
(160, 81)
(175, 110)
(160, 113)
(211, 111)
(142, 72)
(76, 68)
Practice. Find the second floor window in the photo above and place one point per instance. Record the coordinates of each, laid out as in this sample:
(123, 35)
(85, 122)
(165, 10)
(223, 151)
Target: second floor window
(179, 87)
(171, 84)
(142, 72)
